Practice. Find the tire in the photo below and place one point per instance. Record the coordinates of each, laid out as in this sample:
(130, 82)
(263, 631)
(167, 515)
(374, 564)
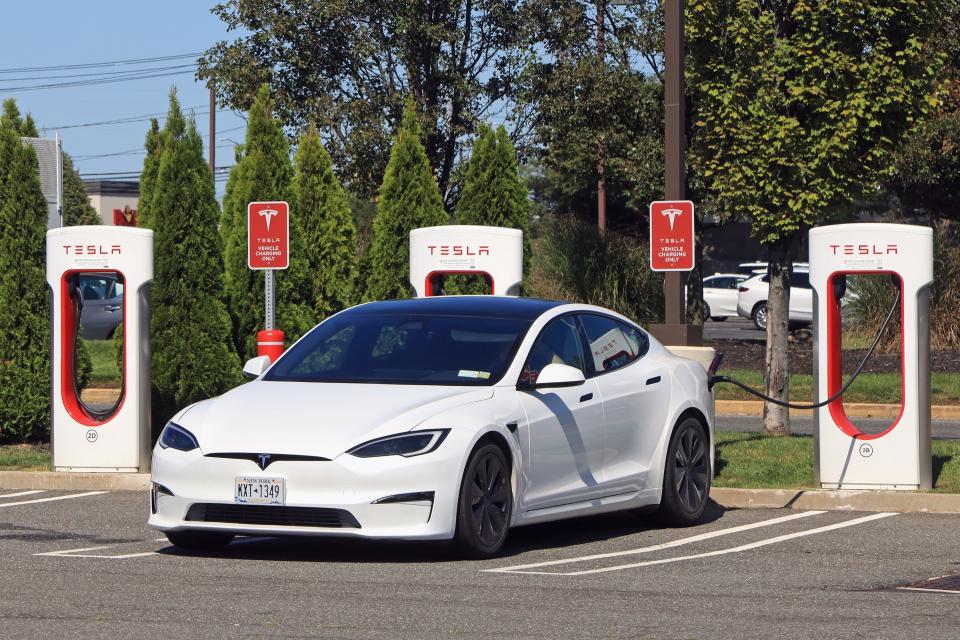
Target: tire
(706, 311)
(759, 316)
(687, 474)
(199, 540)
(485, 503)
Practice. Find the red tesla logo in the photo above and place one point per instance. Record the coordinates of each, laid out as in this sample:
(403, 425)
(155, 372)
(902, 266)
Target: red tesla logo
(865, 249)
(91, 249)
(458, 250)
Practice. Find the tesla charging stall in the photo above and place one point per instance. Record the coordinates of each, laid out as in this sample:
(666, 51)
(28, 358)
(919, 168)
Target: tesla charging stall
(493, 253)
(100, 438)
(897, 457)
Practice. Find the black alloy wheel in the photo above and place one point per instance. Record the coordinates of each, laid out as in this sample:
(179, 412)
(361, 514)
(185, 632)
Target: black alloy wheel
(686, 481)
(486, 503)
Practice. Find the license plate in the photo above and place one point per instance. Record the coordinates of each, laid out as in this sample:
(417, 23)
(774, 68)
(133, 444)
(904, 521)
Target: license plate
(259, 490)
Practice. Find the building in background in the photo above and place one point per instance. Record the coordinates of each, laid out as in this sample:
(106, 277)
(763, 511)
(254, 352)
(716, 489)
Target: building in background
(50, 167)
(115, 200)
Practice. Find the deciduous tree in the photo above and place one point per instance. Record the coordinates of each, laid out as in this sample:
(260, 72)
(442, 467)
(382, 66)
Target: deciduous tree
(798, 107)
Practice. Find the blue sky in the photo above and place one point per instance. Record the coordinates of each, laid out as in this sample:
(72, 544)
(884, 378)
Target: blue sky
(61, 32)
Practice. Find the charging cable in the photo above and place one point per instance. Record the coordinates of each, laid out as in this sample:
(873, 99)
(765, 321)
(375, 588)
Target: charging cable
(791, 405)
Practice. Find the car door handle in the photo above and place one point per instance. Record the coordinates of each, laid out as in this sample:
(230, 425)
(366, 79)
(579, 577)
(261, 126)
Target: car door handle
(586, 396)
(653, 380)
(112, 307)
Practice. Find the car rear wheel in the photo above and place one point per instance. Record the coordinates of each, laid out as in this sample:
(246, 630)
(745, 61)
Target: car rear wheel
(686, 478)
(485, 504)
(199, 540)
(759, 316)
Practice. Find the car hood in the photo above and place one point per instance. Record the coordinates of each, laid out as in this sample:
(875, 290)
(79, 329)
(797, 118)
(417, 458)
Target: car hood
(320, 419)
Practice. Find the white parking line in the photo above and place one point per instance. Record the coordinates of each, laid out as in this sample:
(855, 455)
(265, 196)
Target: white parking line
(79, 553)
(23, 493)
(67, 497)
(721, 552)
(660, 547)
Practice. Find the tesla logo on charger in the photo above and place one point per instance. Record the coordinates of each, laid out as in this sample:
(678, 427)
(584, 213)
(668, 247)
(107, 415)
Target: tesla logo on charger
(865, 249)
(92, 250)
(458, 250)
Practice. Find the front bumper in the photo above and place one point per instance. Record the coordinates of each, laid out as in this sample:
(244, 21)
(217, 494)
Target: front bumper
(345, 484)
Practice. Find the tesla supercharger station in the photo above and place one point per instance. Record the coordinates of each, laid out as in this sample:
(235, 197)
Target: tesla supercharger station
(897, 457)
(494, 253)
(86, 438)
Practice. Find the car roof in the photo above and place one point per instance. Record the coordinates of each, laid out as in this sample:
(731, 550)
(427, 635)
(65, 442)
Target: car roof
(481, 306)
(726, 275)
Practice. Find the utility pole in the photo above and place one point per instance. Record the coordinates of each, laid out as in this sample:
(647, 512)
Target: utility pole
(212, 144)
(601, 159)
(675, 331)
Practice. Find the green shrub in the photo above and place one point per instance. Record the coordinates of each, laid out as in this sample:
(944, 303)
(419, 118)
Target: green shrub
(874, 296)
(571, 262)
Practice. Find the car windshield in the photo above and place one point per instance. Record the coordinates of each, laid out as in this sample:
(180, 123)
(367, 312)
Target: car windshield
(404, 349)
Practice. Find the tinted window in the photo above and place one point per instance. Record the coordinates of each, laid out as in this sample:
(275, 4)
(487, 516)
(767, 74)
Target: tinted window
(558, 342)
(800, 279)
(612, 343)
(404, 349)
(716, 283)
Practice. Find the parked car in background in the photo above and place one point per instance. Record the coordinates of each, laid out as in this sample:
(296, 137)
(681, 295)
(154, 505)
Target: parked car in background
(720, 294)
(102, 295)
(753, 293)
(755, 268)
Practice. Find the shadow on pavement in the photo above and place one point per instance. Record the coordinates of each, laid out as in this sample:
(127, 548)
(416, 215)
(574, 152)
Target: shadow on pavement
(552, 535)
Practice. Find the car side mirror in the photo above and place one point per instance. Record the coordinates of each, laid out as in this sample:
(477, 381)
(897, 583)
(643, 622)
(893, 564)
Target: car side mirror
(255, 367)
(558, 375)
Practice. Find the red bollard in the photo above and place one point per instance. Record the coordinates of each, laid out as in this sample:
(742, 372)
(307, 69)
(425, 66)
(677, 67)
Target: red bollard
(270, 343)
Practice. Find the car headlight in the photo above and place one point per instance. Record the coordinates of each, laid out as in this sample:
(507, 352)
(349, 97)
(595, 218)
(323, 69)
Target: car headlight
(415, 443)
(176, 437)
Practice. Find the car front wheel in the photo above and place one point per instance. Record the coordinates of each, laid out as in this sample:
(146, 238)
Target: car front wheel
(686, 478)
(486, 503)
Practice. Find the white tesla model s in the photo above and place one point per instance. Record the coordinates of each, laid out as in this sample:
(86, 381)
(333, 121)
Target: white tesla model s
(441, 418)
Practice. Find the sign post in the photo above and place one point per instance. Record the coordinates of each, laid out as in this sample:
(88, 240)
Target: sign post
(268, 249)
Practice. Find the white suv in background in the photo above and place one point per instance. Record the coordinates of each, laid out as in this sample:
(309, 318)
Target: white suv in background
(752, 299)
(720, 295)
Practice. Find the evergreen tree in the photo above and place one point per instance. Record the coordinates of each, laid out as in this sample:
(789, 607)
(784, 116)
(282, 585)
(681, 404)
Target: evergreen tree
(151, 165)
(409, 199)
(262, 173)
(494, 194)
(192, 357)
(329, 234)
(24, 307)
(77, 209)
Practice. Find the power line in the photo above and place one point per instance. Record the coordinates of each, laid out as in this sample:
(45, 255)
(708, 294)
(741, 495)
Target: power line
(91, 82)
(94, 65)
(141, 118)
(129, 152)
(134, 174)
(98, 73)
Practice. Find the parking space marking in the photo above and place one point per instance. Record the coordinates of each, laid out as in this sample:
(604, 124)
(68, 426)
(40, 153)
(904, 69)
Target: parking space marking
(23, 493)
(659, 547)
(80, 553)
(719, 552)
(66, 497)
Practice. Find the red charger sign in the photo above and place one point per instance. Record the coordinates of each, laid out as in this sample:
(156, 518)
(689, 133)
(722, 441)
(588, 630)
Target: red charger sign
(268, 235)
(671, 235)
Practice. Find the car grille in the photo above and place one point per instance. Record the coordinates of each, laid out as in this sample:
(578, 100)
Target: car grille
(272, 515)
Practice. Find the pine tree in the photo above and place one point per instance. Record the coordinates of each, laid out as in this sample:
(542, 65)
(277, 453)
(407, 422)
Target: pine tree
(409, 199)
(148, 176)
(263, 172)
(24, 307)
(77, 209)
(329, 234)
(192, 357)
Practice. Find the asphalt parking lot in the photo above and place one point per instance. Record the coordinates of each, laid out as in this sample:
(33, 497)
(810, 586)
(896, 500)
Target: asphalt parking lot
(84, 565)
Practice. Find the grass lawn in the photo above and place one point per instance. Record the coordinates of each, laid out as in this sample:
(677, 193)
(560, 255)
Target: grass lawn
(882, 388)
(105, 373)
(748, 460)
(25, 457)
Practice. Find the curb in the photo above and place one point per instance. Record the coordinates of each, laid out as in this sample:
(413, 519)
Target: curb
(63, 480)
(853, 410)
(876, 501)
